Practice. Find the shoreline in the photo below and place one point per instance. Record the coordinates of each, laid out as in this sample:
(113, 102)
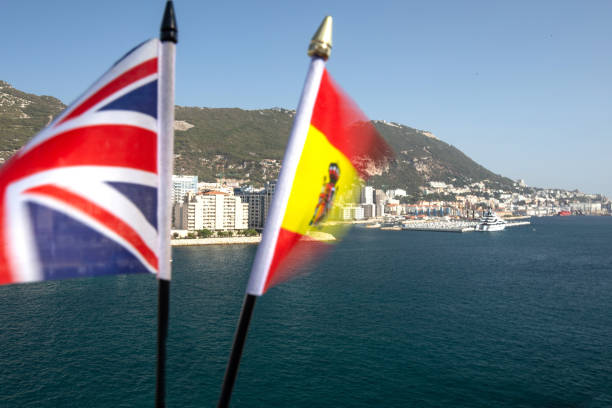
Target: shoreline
(215, 241)
(312, 236)
(413, 225)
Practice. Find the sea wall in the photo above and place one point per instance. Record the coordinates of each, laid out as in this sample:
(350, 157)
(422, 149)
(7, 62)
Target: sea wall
(215, 241)
(312, 235)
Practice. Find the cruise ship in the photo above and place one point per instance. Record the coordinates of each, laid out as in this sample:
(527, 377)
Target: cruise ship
(490, 222)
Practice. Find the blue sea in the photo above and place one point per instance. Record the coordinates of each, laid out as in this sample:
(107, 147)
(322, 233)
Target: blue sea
(518, 318)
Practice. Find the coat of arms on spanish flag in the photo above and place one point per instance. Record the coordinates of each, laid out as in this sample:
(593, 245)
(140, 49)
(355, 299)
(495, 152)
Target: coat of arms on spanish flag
(333, 149)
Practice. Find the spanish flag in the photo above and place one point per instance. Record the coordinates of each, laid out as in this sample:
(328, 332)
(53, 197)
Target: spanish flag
(332, 150)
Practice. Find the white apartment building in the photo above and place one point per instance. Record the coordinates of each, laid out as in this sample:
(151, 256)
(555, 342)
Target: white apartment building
(181, 185)
(352, 212)
(586, 208)
(215, 211)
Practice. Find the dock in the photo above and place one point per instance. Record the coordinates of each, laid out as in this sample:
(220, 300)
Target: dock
(445, 226)
(441, 226)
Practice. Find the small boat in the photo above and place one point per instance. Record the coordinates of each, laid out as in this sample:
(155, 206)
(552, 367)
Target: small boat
(375, 225)
(490, 222)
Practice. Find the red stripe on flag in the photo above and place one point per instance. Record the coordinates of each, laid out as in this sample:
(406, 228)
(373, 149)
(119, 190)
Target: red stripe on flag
(101, 145)
(292, 251)
(101, 215)
(134, 74)
(347, 128)
(5, 274)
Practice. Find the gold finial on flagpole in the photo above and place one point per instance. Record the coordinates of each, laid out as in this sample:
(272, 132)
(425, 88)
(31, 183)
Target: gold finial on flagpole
(321, 43)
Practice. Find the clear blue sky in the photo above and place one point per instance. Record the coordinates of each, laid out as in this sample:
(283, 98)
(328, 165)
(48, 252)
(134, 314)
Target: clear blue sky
(522, 87)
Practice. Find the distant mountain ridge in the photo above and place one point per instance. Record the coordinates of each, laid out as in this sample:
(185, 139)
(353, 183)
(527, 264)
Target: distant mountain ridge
(248, 145)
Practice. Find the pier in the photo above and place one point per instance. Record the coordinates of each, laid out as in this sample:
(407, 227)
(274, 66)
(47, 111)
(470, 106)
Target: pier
(445, 226)
(441, 226)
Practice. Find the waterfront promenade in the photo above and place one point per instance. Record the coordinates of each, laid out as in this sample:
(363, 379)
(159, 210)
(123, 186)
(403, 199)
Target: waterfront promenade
(312, 235)
(412, 225)
(215, 241)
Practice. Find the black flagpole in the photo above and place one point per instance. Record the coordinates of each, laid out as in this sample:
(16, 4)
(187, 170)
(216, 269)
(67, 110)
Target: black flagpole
(319, 48)
(168, 37)
(162, 335)
(234, 361)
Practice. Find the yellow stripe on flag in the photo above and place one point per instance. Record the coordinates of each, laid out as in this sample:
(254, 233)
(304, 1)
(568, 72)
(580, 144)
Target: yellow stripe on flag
(310, 179)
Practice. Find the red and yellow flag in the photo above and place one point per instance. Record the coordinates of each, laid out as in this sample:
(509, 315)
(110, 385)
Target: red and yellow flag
(332, 150)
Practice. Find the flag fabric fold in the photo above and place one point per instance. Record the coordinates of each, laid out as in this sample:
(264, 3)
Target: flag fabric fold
(81, 198)
(332, 151)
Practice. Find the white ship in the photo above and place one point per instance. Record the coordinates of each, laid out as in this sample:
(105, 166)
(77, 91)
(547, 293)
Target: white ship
(490, 222)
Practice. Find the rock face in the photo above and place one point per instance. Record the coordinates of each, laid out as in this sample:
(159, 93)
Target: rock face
(248, 145)
(181, 125)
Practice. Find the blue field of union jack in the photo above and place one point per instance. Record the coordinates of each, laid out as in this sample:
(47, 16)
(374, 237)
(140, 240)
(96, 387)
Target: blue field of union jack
(81, 198)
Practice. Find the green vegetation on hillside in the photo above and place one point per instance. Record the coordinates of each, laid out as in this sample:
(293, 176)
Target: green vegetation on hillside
(249, 145)
(21, 116)
(421, 158)
(232, 143)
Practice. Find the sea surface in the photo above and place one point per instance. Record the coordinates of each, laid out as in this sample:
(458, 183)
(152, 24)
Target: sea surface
(518, 318)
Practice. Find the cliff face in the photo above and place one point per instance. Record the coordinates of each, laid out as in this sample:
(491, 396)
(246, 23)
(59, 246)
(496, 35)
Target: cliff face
(248, 145)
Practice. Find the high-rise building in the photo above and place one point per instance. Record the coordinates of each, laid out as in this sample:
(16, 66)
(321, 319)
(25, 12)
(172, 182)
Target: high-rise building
(181, 185)
(255, 202)
(259, 204)
(367, 195)
(215, 210)
(380, 198)
(369, 210)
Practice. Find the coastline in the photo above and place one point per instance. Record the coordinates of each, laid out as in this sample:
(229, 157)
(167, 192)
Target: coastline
(313, 236)
(215, 241)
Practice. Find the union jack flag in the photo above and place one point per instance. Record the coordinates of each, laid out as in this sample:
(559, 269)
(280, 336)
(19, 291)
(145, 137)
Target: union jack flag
(81, 198)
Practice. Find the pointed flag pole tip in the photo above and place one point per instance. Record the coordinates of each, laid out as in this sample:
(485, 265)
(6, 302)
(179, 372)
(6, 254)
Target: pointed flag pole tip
(321, 43)
(169, 30)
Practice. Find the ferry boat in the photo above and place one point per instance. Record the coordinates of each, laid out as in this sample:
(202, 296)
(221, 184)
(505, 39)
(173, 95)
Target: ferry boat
(490, 222)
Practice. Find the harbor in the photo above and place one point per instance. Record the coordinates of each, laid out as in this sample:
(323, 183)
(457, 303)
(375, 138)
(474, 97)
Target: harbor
(441, 225)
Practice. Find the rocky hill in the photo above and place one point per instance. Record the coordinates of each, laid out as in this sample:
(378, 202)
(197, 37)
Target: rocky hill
(248, 145)
(21, 116)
